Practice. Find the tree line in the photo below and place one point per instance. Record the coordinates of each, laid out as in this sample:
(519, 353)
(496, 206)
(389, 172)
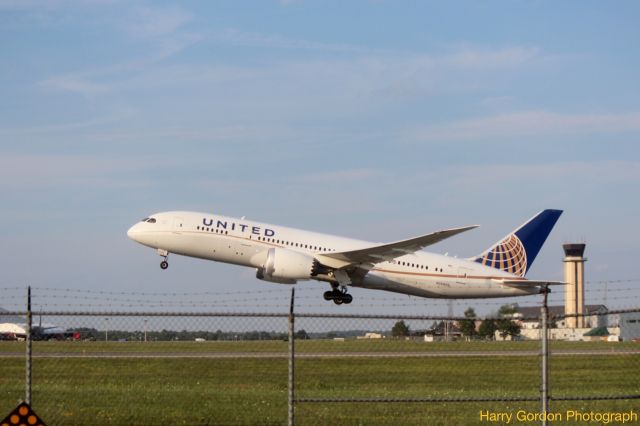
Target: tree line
(469, 327)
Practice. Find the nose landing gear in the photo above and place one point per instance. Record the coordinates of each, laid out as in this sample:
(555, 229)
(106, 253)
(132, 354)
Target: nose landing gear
(165, 254)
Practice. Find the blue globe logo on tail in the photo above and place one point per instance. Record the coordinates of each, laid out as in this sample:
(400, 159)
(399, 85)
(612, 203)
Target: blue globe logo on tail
(516, 252)
(508, 255)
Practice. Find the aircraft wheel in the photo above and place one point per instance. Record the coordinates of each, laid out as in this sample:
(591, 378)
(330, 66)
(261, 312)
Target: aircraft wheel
(338, 301)
(347, 298)
(328, 295)
(164, 264)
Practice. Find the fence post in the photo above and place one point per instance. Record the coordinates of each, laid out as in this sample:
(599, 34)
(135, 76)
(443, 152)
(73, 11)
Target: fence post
(544, 384)
(27, 397)
(291, 417)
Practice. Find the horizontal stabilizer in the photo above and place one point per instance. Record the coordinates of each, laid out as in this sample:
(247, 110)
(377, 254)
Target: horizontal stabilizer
(527, 283)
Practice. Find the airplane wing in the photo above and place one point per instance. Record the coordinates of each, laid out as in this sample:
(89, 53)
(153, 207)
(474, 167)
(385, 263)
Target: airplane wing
(527, 283)
(389, 251)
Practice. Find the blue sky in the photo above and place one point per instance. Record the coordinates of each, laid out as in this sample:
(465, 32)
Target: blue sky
(373, 119)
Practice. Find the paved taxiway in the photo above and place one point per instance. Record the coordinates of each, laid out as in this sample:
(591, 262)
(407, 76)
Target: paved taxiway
(214, 355)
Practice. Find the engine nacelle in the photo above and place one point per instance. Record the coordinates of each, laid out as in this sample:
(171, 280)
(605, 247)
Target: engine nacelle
(287, 267)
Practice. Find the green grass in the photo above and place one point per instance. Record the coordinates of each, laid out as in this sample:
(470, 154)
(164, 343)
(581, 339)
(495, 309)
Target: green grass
(304, 346)
(201, 391)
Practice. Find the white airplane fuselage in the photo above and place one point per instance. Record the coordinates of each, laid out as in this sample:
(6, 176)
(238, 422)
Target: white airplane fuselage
(247, 243)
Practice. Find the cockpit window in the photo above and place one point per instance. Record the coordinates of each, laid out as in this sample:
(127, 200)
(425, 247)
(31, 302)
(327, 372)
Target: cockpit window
(151, 220)
(145, 219)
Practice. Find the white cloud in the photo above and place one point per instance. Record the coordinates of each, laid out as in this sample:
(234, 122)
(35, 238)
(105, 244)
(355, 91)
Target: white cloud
(497, 102)
(463, 57)
(150, 22)
(528, 123)
(76, 84)
(339, 176)
(102, 80)
(75, 126)
(235, 37)
(22, 171)
(601, 172)
(478, 57)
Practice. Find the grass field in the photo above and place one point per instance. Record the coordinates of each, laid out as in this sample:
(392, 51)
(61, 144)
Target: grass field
(201, 391)
(303, 346)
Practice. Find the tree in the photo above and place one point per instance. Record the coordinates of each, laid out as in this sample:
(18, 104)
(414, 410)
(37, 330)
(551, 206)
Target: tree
(468, 325)
(301, 335)
(505, 325)
(400, 329)
(487, 329)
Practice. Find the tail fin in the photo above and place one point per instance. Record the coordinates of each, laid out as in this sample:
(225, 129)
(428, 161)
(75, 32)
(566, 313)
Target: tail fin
(516, 252)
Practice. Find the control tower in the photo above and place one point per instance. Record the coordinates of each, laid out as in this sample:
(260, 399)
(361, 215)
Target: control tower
(574, 289)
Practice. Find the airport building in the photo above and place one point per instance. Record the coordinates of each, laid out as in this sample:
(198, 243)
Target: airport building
(630, 326)
(578, 321)
(595, 318)
(574, 289)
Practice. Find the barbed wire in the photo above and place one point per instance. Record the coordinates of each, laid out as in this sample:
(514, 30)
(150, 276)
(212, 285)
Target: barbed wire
(217, 293)
(280, 294)
(613, 281)
(271, 298)
(316, 294)
(138, 293)
(37, 298)
(103, 305)
(239, 304)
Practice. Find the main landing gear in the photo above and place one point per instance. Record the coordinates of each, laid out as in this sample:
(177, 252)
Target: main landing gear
(165, 254)
(338, 296)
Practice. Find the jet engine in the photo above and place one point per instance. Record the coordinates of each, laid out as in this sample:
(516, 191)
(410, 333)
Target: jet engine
(287, 266)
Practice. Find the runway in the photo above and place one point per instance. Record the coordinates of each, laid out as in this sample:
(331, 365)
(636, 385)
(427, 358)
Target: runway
(223, 355)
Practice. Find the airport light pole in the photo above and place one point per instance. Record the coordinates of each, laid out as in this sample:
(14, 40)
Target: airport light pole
(106, 329)
(27, 397)
(544, 380)
(292, 360)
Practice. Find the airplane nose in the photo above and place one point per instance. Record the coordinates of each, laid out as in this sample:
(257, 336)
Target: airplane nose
(132, 232)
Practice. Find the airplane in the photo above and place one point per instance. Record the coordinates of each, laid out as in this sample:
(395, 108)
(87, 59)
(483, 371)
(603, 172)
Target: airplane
(18, 331)
(287, 255)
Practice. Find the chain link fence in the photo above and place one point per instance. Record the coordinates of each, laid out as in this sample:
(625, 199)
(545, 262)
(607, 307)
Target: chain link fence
(219, 367)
